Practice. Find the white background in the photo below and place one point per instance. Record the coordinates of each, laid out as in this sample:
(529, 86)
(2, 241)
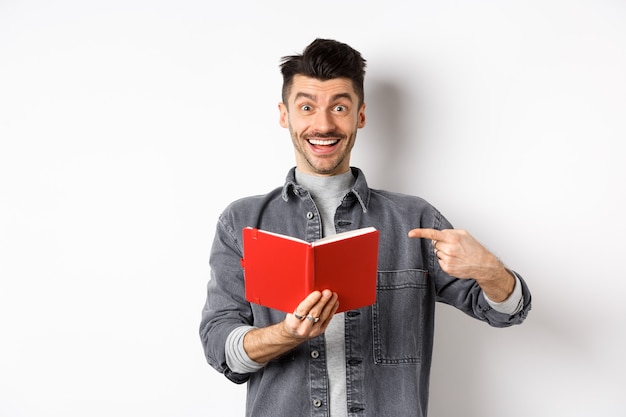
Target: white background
(127, 126)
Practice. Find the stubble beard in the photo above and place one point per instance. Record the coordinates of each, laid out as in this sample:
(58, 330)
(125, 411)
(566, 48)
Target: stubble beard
(299, 144)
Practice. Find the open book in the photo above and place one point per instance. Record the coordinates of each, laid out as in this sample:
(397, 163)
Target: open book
(280, 271)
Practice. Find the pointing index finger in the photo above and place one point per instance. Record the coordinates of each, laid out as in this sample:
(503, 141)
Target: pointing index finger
(432, 234)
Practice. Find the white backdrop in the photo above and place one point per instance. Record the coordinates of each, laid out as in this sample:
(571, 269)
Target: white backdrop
(127, 126)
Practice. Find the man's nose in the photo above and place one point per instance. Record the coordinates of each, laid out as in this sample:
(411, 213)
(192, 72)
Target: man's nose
(324, 121)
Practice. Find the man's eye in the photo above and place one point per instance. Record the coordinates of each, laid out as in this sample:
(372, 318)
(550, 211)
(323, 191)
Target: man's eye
(305, 107)
(340, 108)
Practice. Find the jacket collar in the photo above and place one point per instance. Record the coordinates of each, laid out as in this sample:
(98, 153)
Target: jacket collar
(360, 190)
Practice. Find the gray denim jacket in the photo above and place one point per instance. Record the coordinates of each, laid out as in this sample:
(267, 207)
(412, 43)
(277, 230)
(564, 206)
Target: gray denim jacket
(388, 345)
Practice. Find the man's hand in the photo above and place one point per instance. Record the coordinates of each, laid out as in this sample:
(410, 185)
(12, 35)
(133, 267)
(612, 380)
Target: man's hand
(462, 256)
(310, 319)
(312, 316)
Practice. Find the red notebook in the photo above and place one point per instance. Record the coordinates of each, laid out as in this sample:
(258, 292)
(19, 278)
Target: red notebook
(280, 271)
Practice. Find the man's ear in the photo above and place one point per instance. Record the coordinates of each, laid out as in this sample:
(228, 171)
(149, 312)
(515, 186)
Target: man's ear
(361, 122)
(284, 115)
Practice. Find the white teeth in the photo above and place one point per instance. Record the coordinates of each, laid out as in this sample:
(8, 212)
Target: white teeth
(322, 142)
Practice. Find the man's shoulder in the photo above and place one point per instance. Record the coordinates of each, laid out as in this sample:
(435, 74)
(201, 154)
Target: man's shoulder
(254, 200)
(249, 209)
(405, 208)
(399, 198)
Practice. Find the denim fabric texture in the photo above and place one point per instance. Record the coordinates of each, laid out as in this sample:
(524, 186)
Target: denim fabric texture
(388, 345)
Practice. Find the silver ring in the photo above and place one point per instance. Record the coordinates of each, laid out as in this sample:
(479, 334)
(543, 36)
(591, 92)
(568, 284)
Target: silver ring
(434, 242)
(298, 316)
(436, 250)
(313, 319)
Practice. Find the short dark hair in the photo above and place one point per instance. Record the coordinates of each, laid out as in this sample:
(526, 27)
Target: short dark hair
(325, 59)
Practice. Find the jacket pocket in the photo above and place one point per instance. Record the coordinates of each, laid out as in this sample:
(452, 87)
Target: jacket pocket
(399, 316)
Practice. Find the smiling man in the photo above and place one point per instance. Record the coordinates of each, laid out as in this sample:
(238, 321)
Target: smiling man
(323, 121)
(374, 361)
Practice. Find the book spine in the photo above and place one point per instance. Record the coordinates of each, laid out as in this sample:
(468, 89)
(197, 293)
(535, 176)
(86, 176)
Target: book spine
(309, 272)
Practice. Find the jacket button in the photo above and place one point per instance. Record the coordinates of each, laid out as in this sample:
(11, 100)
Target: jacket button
(309, 215)
(317, 403)
(315, 354)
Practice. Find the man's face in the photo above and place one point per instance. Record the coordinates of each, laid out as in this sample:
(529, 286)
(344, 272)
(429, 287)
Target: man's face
(322, 118)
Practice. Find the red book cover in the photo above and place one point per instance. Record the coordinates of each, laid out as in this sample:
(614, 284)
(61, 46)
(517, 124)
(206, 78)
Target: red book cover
(280, 271)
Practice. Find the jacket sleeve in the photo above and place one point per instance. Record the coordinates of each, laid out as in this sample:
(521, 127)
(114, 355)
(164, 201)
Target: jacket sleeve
(466, 294)
(225, 308)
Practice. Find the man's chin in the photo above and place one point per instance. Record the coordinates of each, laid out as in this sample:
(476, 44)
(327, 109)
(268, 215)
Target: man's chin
(325, 169)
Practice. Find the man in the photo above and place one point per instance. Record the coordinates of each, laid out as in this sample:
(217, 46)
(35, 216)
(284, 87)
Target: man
(374, 361)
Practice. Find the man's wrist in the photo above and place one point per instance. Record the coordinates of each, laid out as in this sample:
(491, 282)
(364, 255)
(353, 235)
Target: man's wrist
(513, 303)
(497, 283)
(265, 344)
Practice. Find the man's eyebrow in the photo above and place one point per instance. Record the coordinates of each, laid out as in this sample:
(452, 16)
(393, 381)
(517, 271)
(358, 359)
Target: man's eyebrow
(314, 98)
(305, 95)
(342, 95)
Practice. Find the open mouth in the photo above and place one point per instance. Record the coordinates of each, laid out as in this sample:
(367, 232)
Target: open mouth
(323, 142)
